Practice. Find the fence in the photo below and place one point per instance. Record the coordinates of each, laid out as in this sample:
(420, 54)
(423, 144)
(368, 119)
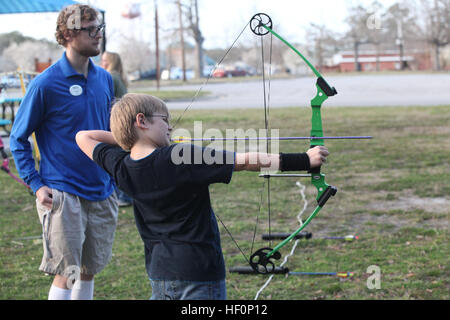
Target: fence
(7, 118)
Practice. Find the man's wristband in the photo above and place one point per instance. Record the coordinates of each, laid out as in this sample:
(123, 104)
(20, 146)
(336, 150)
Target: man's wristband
(294, 162)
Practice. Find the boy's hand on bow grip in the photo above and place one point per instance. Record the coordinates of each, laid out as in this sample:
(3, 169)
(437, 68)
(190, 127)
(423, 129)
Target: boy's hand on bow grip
(317, 156)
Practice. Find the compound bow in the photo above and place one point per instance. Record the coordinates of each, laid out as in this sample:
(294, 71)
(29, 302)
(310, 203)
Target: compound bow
(261, 260)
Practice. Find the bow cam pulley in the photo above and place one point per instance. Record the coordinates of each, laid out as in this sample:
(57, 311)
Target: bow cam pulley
(257, 23)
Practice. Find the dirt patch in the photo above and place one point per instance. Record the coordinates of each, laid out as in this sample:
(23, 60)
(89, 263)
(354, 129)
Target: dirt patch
(432, 205)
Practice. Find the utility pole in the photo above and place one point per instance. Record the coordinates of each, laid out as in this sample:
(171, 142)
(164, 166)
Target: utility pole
(104, 33)
(158, 68)
(400, 42)
(183, 59)
(199, 41)
(438, 31)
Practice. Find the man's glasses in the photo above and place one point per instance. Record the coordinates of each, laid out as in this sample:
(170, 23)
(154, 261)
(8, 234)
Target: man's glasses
(94, 30)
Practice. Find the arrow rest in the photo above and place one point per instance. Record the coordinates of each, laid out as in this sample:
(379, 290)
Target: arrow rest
(257, 23)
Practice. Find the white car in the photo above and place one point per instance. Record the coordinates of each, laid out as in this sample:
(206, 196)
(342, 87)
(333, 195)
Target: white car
(176, 73)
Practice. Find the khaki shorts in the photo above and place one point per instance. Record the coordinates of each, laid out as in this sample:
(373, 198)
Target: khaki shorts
(77, 233)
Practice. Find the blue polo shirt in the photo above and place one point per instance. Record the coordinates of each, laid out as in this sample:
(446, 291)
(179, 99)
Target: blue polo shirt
(59, 103)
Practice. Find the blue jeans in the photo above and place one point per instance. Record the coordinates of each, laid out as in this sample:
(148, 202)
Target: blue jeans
(188, 290)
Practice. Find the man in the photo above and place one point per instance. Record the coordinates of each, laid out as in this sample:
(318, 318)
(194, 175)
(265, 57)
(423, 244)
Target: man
(75, 201)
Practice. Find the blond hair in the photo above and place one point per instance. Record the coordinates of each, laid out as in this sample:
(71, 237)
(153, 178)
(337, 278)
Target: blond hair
(124, 112)
(115, 65)
(70, 15)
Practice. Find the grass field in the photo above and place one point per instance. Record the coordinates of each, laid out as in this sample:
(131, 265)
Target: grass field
(393, 193)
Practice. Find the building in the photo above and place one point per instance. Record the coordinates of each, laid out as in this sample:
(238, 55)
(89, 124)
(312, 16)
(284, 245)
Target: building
(370, 61)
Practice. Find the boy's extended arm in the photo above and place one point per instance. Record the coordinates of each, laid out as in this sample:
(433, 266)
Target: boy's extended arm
(87, 140)
(255, 161)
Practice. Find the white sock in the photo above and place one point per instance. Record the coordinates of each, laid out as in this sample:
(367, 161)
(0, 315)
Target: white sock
(83, 290)
(59, 294)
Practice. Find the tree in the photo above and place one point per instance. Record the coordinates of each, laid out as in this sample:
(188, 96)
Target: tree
(7, 64)
(24, 54)
(437, 26)
(403, 29)
(194, 27)
(136, 55)
(6, 39)
(364, 24)
(324, 40)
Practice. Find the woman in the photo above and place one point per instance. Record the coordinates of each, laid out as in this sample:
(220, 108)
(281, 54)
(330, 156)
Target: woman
(113, 64)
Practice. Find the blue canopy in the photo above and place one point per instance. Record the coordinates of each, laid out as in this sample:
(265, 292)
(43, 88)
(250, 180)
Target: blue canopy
(34, 6)
(31, 6)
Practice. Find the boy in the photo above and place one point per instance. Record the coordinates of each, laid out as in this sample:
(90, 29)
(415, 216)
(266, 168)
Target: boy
(172, 206)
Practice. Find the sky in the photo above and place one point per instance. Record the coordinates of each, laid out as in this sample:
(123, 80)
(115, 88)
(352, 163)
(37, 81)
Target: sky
(220, 21)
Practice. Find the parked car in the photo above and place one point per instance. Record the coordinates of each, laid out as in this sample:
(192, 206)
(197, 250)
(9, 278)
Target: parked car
(207, 69)
(237, 72)
(148, 75)
(11, 81)
(176, 73)
(219, 73)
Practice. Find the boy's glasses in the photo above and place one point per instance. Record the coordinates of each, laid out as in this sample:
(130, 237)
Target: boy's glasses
(94, 30)
(163, 116)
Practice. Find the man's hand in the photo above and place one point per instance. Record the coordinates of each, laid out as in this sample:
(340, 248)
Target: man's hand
(44, 195)
(317, 156)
